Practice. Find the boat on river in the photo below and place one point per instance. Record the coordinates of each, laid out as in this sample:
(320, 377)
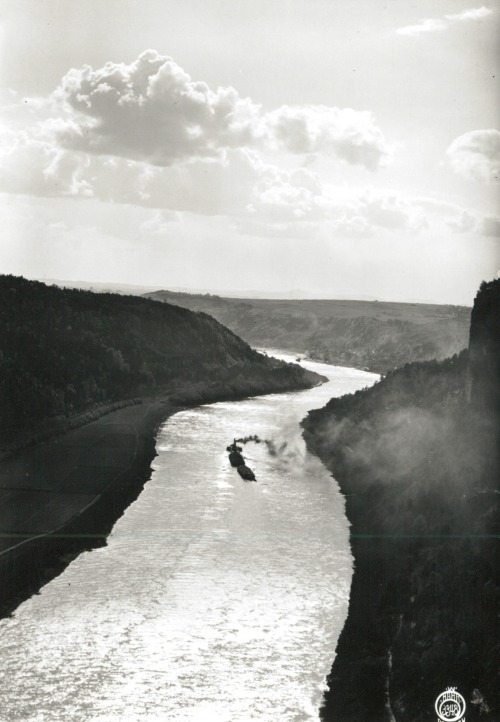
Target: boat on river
(236, 460)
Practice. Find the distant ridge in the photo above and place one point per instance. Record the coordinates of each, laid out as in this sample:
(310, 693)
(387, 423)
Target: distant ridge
(65, 351)
(127, 289)
(373, 335)
(297, 294)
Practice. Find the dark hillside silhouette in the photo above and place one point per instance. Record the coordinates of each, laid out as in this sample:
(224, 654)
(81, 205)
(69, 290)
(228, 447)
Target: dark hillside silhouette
(377, 336)
(66, 351)
(416, 457)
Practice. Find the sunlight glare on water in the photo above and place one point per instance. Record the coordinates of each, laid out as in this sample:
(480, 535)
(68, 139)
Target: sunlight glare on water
(214, 599)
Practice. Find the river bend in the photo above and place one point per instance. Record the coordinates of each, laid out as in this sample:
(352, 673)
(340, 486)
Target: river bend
(214, 599)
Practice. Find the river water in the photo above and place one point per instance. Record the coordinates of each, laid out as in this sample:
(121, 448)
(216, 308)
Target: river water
(214, 599)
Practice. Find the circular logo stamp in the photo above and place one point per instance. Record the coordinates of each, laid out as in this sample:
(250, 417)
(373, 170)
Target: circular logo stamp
(450, 706)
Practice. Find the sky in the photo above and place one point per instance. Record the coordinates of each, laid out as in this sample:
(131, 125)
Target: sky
(306, 148)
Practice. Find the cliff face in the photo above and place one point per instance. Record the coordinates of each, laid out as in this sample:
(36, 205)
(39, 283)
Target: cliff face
(66, 351)
(418, 465)
(374, 335)
(484, 348)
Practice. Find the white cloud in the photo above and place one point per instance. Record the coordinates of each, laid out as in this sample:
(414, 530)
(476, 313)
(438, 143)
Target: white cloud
(390, 210)
(239, 182)
(433, 25)
(260, 197)
(428, 25)
(458, 219)
(37, 166)
(472, 14)
(438, 206)
(259, 193)
(371, 210)
(152, 111)
(345, 133)
(353, 226)
(476, 155)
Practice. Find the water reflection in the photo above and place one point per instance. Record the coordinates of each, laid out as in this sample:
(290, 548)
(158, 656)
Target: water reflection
(215, 599)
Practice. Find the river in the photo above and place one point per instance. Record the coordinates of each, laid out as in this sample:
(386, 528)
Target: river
(214, 599)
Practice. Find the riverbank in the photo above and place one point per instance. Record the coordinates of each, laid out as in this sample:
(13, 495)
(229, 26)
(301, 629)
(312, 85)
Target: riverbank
(210, 594)
(422, 611)
(417, 464)
(62, 497)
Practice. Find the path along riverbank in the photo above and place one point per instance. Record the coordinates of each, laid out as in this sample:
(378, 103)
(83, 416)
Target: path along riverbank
(61, 497)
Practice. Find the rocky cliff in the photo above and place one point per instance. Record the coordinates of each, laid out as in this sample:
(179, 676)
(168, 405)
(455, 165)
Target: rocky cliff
(484, 349)
(416, 457)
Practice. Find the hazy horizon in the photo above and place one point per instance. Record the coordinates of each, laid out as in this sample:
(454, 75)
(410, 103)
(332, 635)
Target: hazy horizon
(294, 295)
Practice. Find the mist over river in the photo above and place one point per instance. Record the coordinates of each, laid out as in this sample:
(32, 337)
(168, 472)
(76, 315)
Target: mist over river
(214, 599)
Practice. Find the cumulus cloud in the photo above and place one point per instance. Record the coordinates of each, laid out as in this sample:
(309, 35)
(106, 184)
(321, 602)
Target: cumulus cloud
(262, 198)
(348, 134)
(371, 210)
(299, 212)
(476, 155)
(151, 110)
(458, 219)
(433, 25)
(237, 183)
(280, 195)
(389, 210)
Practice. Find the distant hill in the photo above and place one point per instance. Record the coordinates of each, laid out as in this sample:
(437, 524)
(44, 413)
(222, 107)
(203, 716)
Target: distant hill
(416, 456)
(377, 336)
(65, 351)
(124, 289)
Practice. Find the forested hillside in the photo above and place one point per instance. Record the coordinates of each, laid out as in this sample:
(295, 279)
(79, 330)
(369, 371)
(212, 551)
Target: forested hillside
(64, 351)
(373, 335)
(416, 457)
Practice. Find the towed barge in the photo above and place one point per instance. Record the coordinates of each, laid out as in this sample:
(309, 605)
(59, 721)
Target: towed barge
(237, 461)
